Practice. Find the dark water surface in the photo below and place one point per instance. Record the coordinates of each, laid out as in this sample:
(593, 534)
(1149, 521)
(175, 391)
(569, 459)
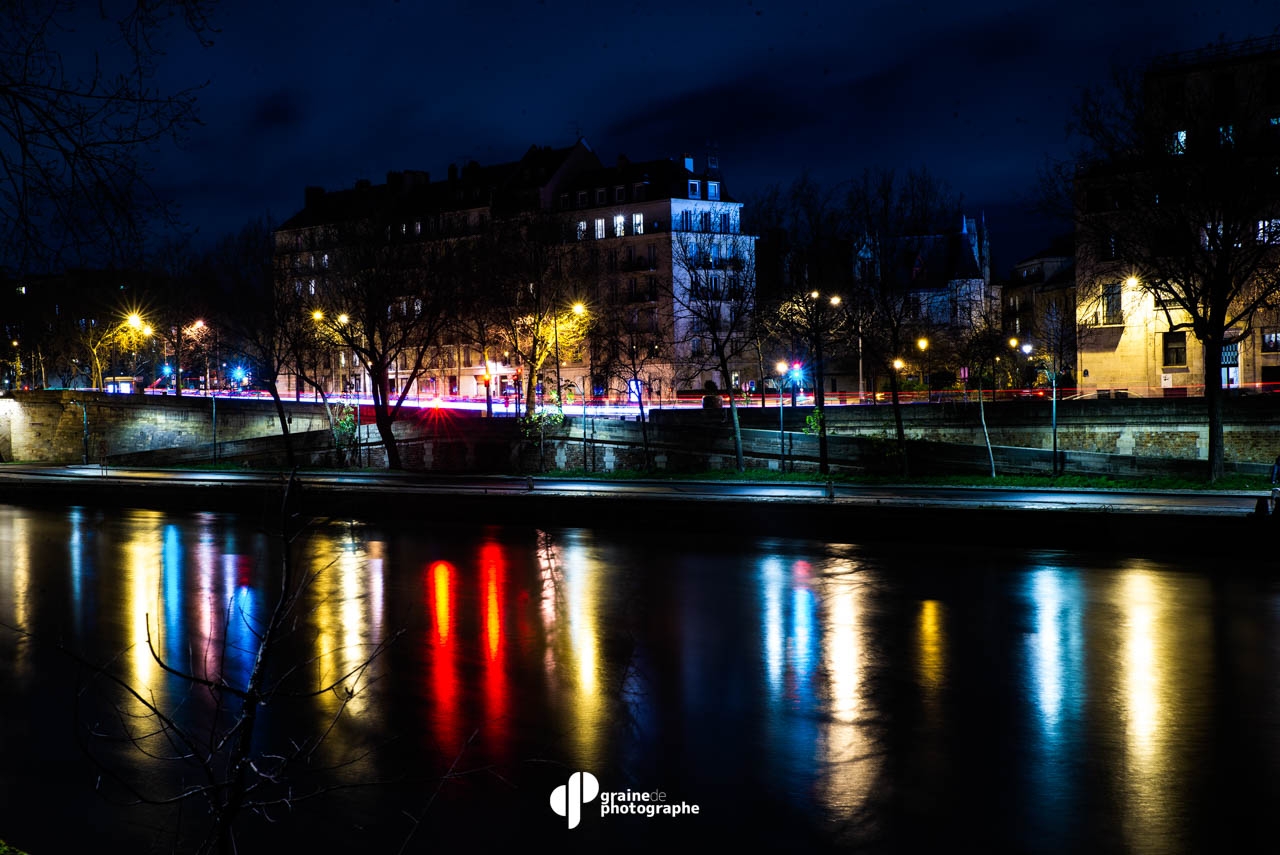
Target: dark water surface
(805, 696)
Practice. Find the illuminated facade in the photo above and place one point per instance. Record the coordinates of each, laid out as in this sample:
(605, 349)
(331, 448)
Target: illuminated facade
(624, 225)
(1209, 112)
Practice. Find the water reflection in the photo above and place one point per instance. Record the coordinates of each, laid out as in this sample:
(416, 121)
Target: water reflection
(1163, 661)
(15, 585)
(848, 750)
(1053, 702)
(1058, 686)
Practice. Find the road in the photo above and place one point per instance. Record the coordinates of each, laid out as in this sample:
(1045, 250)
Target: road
(1215, 503)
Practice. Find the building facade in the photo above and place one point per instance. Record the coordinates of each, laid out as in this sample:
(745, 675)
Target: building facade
(1205, 173)
(621, 236)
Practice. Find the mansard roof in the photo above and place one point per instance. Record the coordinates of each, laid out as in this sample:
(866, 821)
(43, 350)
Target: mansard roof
(503, 188)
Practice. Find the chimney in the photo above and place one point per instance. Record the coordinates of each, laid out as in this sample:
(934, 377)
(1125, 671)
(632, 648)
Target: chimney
(312, 196)
(688, 162)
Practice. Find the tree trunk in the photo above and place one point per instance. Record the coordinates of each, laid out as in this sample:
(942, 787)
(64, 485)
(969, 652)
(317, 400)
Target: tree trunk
(733, 414)
(897, 422)
(284, 423)
(982, 416)
(1213, 397)
(382, 416)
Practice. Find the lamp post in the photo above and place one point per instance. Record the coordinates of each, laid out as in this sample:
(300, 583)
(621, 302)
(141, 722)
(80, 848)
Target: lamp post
(923, 344)
(781, 368)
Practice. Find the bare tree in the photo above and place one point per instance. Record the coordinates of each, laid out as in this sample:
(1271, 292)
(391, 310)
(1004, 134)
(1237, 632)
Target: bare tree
(713, 293)
(1179, 205)
(385, 301)
(809, 306)
(892, 220)
(77, 129)
(538, 298)
(257, 310)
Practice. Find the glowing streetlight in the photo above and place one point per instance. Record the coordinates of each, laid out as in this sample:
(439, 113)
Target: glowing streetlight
(317, 316)
(898, 364)
(781, 368)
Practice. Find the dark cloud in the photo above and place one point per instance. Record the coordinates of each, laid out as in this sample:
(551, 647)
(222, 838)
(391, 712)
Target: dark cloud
(277, 111)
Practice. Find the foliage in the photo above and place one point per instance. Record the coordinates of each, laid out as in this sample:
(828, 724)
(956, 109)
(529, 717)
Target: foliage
(814, 422)
(542, 419)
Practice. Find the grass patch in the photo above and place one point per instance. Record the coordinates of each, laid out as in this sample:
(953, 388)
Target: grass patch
(6, 849)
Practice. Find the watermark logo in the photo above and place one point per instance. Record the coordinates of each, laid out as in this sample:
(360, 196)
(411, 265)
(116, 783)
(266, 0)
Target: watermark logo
(567, 799)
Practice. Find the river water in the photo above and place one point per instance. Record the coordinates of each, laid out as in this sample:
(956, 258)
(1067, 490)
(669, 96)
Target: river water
(437, 686)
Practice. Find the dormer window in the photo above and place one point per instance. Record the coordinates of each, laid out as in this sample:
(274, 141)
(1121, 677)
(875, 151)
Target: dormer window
(619, 194)
(602, 196)
(582, 198)
(713, 190)
(695, 189)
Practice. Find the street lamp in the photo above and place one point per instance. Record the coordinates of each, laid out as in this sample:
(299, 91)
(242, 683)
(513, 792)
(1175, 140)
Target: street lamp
(923, 344)
(781, 368)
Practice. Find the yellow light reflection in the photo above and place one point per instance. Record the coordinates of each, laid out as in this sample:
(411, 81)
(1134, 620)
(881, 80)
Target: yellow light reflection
(17, 543)
(571, 600)
(142, 581)
(850, 759)
(1164, 666)
(932, 656)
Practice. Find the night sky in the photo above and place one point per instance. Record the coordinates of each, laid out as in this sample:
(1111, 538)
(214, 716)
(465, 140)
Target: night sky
(324, 93)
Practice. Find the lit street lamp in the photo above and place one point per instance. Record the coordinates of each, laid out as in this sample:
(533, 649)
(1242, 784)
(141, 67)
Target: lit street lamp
(781, 368)
(923, 344)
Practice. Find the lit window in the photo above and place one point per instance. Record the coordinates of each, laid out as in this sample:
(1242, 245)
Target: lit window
(404, 228)
(1269, 231)
(312, 288)
(324, 262)
(417, 227)
(619, 225)
(1226, 135)
(695, 189)
(713, 190)
(637, 224)
(600, 228)
(1178, 143)
(1274, 121)
(582, 229)
(1271, 340)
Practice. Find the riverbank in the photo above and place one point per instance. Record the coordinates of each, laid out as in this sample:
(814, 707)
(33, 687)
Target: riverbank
(1081, 520)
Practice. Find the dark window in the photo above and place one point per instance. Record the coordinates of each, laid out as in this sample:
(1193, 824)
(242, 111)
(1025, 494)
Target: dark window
(1111, 312)
(1271, 340)
(1175, 348)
